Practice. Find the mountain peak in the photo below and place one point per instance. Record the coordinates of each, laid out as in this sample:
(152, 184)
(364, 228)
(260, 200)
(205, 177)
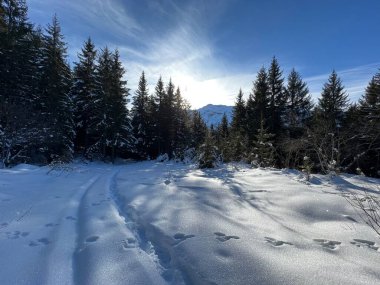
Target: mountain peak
(213, 114)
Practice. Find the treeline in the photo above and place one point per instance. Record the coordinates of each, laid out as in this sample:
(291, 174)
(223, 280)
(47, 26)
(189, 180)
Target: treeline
(279, 126)
(50, 112)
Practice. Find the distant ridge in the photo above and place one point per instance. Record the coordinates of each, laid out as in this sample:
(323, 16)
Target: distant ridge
(212, 114)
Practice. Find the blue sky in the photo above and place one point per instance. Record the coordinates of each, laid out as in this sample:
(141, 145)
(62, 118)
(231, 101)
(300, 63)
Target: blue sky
(211, 48)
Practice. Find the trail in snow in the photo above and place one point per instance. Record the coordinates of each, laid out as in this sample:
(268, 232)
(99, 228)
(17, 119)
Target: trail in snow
(168, 223)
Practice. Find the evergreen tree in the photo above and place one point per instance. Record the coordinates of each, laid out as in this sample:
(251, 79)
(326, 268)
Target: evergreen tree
(86, 95)
(55, 103)
(223, 139)
(238, 128)
(115, 128)
(298, 105)
(181, 125)
(19, 58)
(238, 115)
(263, 150)
(140, 117)
(326, 135)
(367, 124)
(198, 130)
(333, 102)
(276, 97)
(208, 153)
(167, 113)
(159, 118)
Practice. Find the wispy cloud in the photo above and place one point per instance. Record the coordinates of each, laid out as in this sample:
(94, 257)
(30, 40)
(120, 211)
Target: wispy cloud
(171, 39)
(354, 79)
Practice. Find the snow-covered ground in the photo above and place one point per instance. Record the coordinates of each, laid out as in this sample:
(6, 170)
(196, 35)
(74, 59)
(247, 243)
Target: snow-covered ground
(168, 223)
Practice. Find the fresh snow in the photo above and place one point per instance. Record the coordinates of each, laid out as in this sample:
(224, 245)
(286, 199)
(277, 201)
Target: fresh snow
(169, 223)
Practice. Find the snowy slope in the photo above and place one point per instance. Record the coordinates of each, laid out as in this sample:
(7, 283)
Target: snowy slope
(212, 114)
(167, 223)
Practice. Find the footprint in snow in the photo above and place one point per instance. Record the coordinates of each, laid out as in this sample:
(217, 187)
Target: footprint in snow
(129, 243)
(16, 234)
(6, 200)
(180, 237)
(71, 218)
(43, 241)
(49, 225)
(365, 243)
(223, 238)
(92, 239)
(276, 242)
(329, 244)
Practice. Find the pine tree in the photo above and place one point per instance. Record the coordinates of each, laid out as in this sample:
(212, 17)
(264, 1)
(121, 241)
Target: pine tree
(298, 105)
(86, 95)
(140, 117)
(55, 103)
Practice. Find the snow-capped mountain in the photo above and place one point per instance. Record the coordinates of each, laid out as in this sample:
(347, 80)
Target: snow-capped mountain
(212, 114)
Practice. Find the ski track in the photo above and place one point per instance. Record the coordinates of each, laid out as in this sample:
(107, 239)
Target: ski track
(135, 225)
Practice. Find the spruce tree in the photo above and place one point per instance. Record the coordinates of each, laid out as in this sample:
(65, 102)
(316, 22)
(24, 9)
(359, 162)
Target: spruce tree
(276, 97)
(55, 103)
(368, 127)
(19, 50)
(298, 105)
(238, 128)
(158, 117)
(140, 117)
(167, 127)
(333, 102)
(180, 124)
(263, 151)
(208, 153)
(223, 139)
(198, 130)
(86, 95)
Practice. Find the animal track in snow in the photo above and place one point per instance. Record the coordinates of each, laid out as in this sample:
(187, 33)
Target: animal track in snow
(49, 225)
(180, 237)
(16, 234)
(71, 218)
(92, 239)
(276, 242)
(43, 241)
(129, 243)
(365, 243)
(223, 238)
(6, 200)
(329, 244)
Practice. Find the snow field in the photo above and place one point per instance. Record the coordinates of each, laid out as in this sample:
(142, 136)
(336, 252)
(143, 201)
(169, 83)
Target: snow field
(169, 223)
